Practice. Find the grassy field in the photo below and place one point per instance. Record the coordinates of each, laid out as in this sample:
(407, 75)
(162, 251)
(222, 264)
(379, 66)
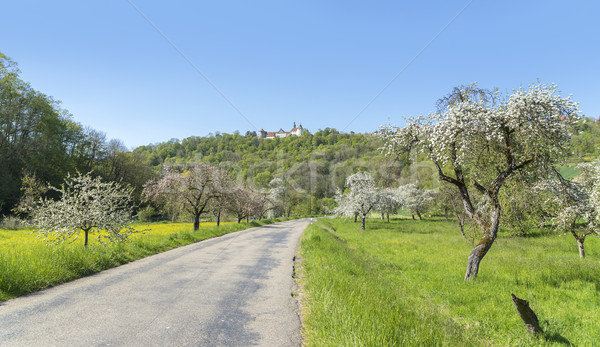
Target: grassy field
(401, 284)
(569, 171)
(28, 264)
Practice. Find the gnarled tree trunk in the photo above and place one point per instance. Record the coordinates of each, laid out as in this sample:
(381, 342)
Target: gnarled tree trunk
(489, 236)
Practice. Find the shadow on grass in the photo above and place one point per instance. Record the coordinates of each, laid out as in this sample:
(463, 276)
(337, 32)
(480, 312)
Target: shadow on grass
(413, 227)
(557, 338)
(535, 233)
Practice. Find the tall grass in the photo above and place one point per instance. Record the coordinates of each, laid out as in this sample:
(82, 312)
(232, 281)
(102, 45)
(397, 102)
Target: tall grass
(402, 284)
(28, 264)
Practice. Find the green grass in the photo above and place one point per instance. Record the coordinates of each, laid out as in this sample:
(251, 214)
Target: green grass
(569, 171)
(401, 284)
(27, 264)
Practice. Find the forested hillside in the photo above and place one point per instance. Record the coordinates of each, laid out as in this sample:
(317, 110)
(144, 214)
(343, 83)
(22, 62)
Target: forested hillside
(311, 166)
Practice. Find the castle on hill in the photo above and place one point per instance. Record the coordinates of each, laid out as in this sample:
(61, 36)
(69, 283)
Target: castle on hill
(296, 131)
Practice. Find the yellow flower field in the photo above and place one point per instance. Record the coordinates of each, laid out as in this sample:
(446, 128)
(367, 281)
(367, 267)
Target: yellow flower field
(11, 239)
(28, 263)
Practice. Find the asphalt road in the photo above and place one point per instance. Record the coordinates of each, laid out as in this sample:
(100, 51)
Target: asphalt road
(234, 290)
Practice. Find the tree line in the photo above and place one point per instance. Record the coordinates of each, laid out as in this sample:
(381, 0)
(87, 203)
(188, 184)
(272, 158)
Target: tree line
(40, 139)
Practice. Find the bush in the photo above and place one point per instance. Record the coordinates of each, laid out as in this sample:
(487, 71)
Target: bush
(146, 214)
(11, 223)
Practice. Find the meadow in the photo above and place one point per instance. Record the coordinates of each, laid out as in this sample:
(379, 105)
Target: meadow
(401, 284)
(28, 264)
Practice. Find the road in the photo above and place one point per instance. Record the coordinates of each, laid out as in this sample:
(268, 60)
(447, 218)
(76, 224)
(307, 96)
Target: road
(235, 290)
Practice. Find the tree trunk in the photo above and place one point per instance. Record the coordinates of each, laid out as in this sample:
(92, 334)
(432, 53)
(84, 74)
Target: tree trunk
(86, 232)
(247, 219)
(219, 218)
(527, 315)
(419, 215)
(355, 217)
(388, 217)
(413, 216)
(362, 223)
(483, 246)
(196, 222)
(580, 245)
(382, 216)
(240, 219)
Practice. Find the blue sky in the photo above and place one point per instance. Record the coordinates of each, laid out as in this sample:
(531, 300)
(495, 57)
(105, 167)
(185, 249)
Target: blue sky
(319, 63)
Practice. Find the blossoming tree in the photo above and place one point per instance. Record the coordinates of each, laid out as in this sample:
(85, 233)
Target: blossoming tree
(188, 189)
(477, 141)
(86, 205)
(576, 203)
(416, 200)
(389, 202)
(361, 199)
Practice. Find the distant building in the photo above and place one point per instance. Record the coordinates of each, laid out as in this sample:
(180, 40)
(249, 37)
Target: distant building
(296, 131)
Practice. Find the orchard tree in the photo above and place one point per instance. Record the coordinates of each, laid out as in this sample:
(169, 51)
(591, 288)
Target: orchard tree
(242, 202)
(416, 200)
(221, 196)
(86, 205)
(188, 189)
(389, 202)
(361, 199)
(478, 141)
(344, 205)
(576, 203)
(262, 203)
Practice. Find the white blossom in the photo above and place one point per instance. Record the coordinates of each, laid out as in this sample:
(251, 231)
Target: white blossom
(361, 199)
(414, 199)
(477, 141)
(575, 204)
(86, 204)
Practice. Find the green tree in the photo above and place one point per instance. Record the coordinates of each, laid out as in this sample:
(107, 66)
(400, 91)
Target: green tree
(32, 190)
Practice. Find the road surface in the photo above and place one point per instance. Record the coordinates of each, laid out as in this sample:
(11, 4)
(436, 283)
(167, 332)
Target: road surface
(235, 290)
